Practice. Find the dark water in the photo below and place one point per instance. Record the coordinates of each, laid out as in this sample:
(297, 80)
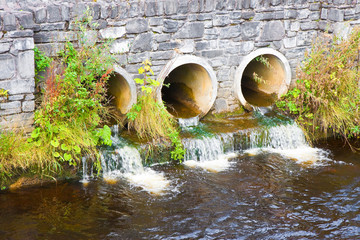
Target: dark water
(260, 197)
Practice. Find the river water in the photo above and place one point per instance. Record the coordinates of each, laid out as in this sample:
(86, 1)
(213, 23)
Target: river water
(238, 184)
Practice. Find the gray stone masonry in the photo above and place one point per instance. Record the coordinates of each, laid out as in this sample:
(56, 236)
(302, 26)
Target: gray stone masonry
(221, 32)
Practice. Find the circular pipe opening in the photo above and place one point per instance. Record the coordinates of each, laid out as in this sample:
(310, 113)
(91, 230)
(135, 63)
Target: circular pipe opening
(188, 87)
(261, 78)
(121, 91)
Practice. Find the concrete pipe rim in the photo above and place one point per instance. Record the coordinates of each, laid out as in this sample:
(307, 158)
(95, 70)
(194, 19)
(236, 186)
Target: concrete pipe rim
(131, 87)
(183, 60)
(246, 61)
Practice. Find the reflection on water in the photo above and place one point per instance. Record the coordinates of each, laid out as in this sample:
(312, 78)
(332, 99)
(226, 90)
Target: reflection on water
(264, 196)
(256, 186)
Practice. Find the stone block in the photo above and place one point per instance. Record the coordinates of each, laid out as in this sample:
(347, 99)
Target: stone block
(10, 105)
(305, 38)
(120, 46)
(191, 30)
(167, 46)
(247, 15)
(324, 13)
(246, 47)
(289, 42)
(8, 67)
(205, 16)
(171, 7)
(29, 97)
(165, 55)
(290, 14)
(162, 37)
(194, 6)
(230, 32)
(137, 58)
(96, 11)
(28, 106)
(264, 16)
(209, 6)
(54, 14)
(16, 97)
(212, 53)
(51, 49)
(157, 21)
(48, 37)
(143, 42)
(150, 9)
(4, 47)
(9, 21)
(336, 15)
(250, 30)
(273, 31)
(18, 86)
(26, 20)
(26, 65)
(10, 111)
(170, 26)
(40, 15)
(22, 44)
(21, 33)
(221, 105)
(121, 59)
(308, 25)
(221, 20)
(187, 46)
(137, 26)
(65, 12)
(112, 32)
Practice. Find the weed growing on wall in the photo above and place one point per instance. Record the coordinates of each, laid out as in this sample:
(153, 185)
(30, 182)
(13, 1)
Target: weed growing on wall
(69, 120)
(149, 118)
(72, 109)
(326, 95)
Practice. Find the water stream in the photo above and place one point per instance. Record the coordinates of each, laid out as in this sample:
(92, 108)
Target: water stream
(254, 182)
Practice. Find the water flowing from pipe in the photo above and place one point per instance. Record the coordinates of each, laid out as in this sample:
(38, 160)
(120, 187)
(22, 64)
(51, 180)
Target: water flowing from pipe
(124, 161)
(210, 153)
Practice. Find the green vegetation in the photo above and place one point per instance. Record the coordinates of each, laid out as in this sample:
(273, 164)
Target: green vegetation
(149, 118)
(326, 97)
(73, 108)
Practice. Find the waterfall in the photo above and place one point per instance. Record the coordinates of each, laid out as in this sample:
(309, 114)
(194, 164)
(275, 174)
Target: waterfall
(124, 161)
(210, 153)
(287, 140)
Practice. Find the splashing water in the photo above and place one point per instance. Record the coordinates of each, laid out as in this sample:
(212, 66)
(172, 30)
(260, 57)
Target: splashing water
(210, 153)
(188, 122)
(125, 162)
(288, 141)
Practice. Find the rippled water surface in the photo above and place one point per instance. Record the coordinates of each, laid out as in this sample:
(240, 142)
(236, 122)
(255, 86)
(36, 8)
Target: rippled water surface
(261, 196)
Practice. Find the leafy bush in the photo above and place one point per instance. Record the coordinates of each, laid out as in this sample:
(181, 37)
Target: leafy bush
(72, 108)
(149, 118)
(326, 97)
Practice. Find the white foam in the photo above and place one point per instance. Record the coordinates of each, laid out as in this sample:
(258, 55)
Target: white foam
(126, 163)
(302, 155)
(217, 165)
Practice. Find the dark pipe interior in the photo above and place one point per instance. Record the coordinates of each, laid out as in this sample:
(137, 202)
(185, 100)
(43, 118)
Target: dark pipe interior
(264, 92)
(185, 84)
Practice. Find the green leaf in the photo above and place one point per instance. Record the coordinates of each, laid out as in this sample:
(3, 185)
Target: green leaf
(55, 143)
(77, 149)
(64, 147)
(56, 154)
(67, 156)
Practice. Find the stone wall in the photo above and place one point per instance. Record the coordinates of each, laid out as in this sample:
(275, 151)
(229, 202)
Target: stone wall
(222, 32)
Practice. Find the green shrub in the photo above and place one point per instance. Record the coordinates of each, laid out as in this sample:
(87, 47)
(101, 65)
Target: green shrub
(71, 111)
(149, 118)
(326, 97)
